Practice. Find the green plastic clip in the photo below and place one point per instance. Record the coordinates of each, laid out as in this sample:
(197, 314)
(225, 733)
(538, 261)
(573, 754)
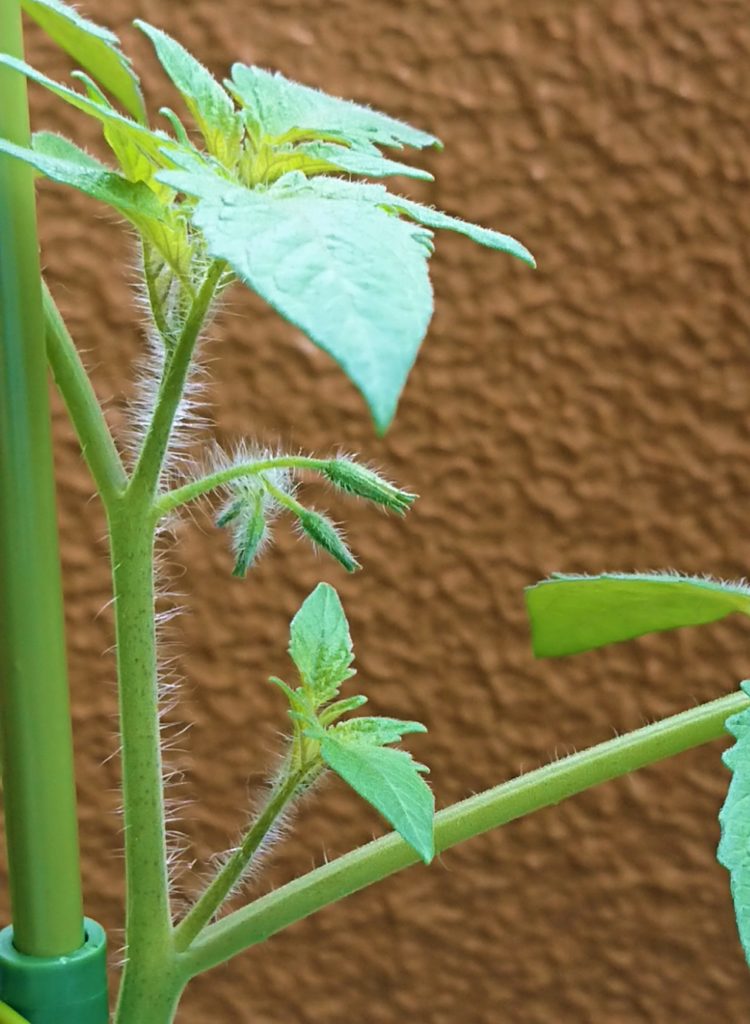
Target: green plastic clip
(68, 989)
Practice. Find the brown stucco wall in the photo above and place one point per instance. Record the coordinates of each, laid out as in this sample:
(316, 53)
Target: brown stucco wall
(590, 415)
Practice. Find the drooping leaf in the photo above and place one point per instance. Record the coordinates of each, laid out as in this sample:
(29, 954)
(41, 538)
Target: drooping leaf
(276, 106)
(734, 817)
(320, 644)
(324, 534)
(376, 730)
(350, 275)
(209, 104)
(95, 48)
(570, 613)
(389, 780)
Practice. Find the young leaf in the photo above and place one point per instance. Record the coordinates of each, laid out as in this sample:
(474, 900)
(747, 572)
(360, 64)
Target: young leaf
(209, 104)
(50, 144)
(734, 847)
(320, 644)
(570, 613)
(341, 707)
(95, 48)
(375, 730)
(350, 275)
(276, 106)
(325, 157)
(389, 780)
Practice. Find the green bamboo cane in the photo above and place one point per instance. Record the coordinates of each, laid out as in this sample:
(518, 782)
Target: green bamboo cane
(35, 726)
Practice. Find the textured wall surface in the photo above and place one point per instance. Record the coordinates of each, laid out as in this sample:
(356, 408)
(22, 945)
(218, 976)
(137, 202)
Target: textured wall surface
(590, 415)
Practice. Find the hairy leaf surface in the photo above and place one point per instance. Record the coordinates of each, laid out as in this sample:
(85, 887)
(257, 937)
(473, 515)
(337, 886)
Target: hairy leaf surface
(376, 730)
(570, 614)
(734, 817)
(208, 102)
(349, 274)
(276, 106)
(95, 48)
(320, 645)
(390, 780)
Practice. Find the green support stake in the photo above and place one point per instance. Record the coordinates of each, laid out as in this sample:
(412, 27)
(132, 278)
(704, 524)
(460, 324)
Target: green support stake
(35, 726)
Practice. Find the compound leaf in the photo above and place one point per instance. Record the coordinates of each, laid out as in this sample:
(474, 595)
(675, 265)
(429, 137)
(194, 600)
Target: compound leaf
(570, 613)
(389, 780)
(209, 104)
(276, 106)
(95, 48)
(349, 274)
(320, 644)
(734, 817)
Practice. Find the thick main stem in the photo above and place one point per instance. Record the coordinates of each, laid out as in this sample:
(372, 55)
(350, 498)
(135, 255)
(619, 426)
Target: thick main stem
(148, 930)
(511, 800)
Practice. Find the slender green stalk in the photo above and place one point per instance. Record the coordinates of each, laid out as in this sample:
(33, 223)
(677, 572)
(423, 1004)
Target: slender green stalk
(71, 378)
(510, 800)
(39, 789)
(232, 871)
(198, 488)
(148, 470)
(148, 929)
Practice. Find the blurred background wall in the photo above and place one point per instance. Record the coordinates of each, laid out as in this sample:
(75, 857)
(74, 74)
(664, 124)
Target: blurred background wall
(590, 415)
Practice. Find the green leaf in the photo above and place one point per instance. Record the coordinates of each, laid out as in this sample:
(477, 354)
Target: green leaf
(250, 533)
(378, 731)
(570, 613)
(95, 48)
(277, 106)
(325, 157)
(350, 275)
(209, 104)
(139, 150)
(389, 780)
(341, 707)
(50, 144)
(133, 200)
(734, 817)
(320, 644)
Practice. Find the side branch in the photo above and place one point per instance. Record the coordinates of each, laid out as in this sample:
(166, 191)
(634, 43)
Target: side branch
(74, 385)
(541, 788)
(198, 488)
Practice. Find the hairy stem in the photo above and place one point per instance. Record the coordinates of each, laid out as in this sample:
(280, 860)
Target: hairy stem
(148, 929)
(74, 385)
(232, 871)
(151, 460)
(198, 488)
(510, 800)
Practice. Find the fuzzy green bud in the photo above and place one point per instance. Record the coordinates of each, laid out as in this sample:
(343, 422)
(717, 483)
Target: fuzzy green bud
(322, 532)
(349, 476)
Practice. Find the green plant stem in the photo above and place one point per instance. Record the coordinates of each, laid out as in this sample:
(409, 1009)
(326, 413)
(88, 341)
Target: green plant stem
(198, 488)
(511, 800)
(71, 378)
(148, 929)
(147, 472)
(232, 871)
(41, 830)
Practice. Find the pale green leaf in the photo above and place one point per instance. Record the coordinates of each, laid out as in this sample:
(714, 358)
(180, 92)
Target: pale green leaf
(572, 613)
(50, 144)
(376, 730)
(349, 274)
(389, 780)
(209, 104)
(320, 645)
(277, 106)
(95, 48)
(325, 157)
(132, 200)
(734, 817)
